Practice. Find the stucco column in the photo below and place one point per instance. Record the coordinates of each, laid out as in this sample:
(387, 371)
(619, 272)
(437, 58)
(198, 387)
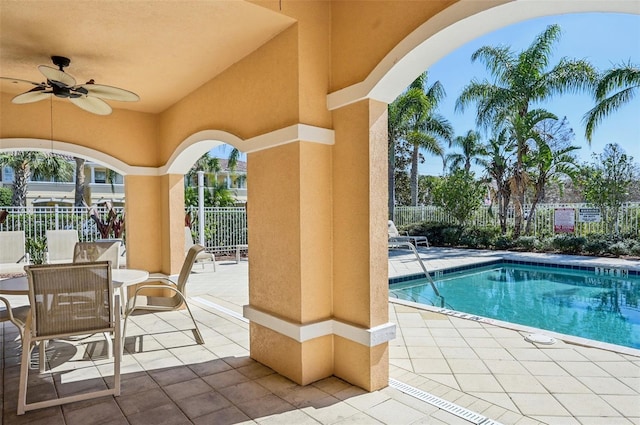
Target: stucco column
(154, 216)
(289, 213)
(318, 280)
(360, 254)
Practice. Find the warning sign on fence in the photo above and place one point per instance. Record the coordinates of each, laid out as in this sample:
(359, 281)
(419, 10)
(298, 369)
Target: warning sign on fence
(564, 220)
(589, 215)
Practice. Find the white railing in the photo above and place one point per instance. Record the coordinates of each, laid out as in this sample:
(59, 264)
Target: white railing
(628, 220)
(225, 228)
(35, 221)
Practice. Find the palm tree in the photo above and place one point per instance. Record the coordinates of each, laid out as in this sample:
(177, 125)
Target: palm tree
(471, 149)
(624, 78)
(552, 159)
(206, 163)
(520, 80)
(496, 160)
(399, 113)
(426, 128)
(29, 164)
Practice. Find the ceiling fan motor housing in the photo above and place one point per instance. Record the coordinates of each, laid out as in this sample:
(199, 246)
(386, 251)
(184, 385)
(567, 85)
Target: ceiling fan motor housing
(60, 61)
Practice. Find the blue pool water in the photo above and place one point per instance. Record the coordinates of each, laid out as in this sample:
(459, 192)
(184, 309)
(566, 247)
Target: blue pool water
(579, 303)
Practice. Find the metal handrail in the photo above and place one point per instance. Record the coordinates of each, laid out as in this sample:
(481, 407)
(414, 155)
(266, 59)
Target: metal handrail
(397, 244)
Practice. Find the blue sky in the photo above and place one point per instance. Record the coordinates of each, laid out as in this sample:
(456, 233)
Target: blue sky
(604, 39)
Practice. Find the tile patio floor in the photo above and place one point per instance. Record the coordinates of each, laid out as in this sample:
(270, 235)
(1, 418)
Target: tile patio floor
(489, 370)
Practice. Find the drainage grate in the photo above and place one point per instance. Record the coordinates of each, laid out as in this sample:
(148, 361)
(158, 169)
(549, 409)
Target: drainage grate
(445, 405)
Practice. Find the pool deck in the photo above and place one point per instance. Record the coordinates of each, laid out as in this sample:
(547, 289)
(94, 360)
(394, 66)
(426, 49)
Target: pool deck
(458, 370)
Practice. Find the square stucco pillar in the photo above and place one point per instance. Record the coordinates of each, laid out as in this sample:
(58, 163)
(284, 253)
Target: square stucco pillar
(289, 221)
(360, 253)
(154, 219)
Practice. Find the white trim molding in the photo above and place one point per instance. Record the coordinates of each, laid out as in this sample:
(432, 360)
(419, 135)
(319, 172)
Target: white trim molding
(44, 145)
(304, 332)
(186, 154)
(291, 134)
(194, 146)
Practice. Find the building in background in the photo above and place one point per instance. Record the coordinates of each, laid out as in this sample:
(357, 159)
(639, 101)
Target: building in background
(98, 188)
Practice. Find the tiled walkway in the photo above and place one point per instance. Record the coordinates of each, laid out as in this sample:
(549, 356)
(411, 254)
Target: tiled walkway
(489, 370)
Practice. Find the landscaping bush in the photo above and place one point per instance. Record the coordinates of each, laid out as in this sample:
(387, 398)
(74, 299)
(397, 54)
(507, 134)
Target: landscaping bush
(596, 244)
(442, 234)
(527, 243)
(503, 242)
(479, 237)
(619, 248)
(569, 243)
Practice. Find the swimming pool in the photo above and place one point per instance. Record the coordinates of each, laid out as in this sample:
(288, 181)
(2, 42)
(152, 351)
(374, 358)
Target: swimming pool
(574, 302)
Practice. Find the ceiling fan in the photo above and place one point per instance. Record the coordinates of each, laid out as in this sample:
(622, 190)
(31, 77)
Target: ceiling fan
(87, 96)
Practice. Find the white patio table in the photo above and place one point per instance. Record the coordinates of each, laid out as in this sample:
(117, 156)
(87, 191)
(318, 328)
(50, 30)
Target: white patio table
(121, 278)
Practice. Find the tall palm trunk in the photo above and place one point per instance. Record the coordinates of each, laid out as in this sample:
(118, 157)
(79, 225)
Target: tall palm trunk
(80, 183)
(391, 179)
(21, 179)
(414, 175)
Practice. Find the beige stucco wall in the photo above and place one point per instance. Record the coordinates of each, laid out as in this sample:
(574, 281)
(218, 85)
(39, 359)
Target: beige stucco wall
(363, 32)
(127, 135)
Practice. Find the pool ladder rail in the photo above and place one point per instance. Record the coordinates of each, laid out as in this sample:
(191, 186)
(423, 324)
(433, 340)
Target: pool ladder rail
(400, 244)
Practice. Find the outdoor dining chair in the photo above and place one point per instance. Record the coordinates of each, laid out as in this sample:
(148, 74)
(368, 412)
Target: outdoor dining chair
(174, 300)
(13, 255)
(84, 252)
(60, 245)
(89, 307)
(15, 315)
(203, 256)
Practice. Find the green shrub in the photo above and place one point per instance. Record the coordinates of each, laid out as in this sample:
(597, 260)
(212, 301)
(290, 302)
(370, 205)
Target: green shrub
(503, 242)
(529, 243)
(596, 244)
(479, 237)
(36, 248)
(635, 248)
(5, 196)
(619, 248)
(569, 243)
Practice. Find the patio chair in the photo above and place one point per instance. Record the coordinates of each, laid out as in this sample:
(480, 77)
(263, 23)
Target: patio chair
(60, 246)
(15, 315)
(395, 236)
(202, 256)
(13, 255)
(85, 252)
(89, 307)
(176, 298)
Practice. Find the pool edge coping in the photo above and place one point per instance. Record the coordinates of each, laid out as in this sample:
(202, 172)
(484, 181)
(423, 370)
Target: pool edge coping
(527, 259)
(569, 339)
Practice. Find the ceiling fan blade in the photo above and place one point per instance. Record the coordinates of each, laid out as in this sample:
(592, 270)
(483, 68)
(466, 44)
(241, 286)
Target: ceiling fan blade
(18, 80)
(58, 76)
(109, 92)
(92, 104)
(34, 95)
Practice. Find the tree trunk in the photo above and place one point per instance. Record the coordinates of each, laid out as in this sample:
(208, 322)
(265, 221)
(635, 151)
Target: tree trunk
(21, 179)
(391, 179)
(518, 178)
(503, 206)
(80, 183)
(532, 211)
(414, 176)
